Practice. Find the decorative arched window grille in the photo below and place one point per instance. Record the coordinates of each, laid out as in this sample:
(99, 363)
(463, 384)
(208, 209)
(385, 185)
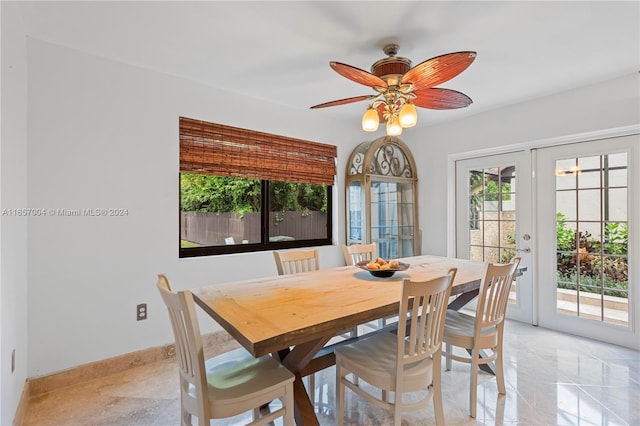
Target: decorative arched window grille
(382, 198)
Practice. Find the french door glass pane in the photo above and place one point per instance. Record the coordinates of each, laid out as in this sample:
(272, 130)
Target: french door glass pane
(492, 215)
(592, 238)
(566, 203)
(588, 203)
(589, 172)
(617, 204)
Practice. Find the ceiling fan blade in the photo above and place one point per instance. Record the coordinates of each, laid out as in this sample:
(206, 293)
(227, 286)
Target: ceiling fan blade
(437, 98)
(437, 70)
(344, 101)
(358, 75)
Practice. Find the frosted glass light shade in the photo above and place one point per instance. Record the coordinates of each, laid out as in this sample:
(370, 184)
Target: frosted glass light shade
(408, 115)
(370, 120)
(393, 126)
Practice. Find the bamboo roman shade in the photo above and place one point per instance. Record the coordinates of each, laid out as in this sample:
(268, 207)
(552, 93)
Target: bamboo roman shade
(216, 149)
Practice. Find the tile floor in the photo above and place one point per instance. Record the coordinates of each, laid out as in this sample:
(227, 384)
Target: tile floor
(551, 378)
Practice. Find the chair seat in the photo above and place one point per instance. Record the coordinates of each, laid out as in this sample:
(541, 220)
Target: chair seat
(459, 330)
(374, 360)
(234, 375)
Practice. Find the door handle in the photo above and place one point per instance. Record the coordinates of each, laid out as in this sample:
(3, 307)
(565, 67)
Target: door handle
(524, 250)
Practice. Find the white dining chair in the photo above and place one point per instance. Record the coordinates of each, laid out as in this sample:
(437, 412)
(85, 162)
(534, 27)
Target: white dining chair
(359, 252)
(225, 385)
(483, 331)
(295, 261)
(408, 361)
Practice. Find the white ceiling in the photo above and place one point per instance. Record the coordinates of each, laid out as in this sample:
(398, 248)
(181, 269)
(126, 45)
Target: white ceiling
(280, 51)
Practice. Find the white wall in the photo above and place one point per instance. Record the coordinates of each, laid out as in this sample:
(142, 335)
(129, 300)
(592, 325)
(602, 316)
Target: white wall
(105, 135)
(610, 104)
(13, 230)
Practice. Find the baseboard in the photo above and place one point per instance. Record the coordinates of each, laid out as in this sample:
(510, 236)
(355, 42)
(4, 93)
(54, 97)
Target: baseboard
(22, 405)
(213, 343)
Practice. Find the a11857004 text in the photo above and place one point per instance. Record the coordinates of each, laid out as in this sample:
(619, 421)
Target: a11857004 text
(62, 212)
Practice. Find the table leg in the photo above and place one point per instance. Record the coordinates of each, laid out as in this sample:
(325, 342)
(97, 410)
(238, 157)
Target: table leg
(487, 368)
(457, 303)
(304, 412)
(295, 361)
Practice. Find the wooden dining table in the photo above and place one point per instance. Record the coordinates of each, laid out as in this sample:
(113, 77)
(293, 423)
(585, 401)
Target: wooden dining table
(293, 317)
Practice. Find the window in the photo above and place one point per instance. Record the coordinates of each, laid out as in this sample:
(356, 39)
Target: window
(492, 214)
(242, 190)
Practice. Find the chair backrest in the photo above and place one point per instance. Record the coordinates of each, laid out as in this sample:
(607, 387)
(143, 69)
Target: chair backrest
(494, 293)
(359, 252)
(294, 261)
(189, 351)
(425, 303)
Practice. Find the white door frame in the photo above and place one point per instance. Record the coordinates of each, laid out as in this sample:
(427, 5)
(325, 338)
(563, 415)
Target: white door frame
(542, 143)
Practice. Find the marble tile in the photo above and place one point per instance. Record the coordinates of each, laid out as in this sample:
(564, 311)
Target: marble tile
(551, 379)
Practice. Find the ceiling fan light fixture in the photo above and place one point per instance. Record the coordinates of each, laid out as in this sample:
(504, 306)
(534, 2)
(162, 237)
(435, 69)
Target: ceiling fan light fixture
(408, 115)
(393, 126)
(370, 120)
(401, 87)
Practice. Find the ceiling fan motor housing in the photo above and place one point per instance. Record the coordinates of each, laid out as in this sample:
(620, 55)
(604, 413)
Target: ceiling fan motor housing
(391, 69)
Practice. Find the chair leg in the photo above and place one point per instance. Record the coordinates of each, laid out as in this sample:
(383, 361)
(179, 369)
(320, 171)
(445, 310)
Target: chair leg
(397, 409)
(382, 323)
(340, 391)
(473, 384)
(437, 391)
(288, 406)
(499, 367)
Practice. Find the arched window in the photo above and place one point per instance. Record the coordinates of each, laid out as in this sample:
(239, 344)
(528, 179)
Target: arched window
(382, 198)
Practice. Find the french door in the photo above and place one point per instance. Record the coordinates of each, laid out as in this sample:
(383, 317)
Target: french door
(493, 219)
(587, 222)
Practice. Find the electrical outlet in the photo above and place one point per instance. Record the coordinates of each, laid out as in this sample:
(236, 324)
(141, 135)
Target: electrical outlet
(141, 311)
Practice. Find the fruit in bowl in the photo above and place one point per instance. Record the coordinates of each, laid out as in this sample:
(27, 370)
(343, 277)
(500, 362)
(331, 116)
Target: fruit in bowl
(381, 267)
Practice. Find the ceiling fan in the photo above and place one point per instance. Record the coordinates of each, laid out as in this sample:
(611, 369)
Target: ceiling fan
(400, 88)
